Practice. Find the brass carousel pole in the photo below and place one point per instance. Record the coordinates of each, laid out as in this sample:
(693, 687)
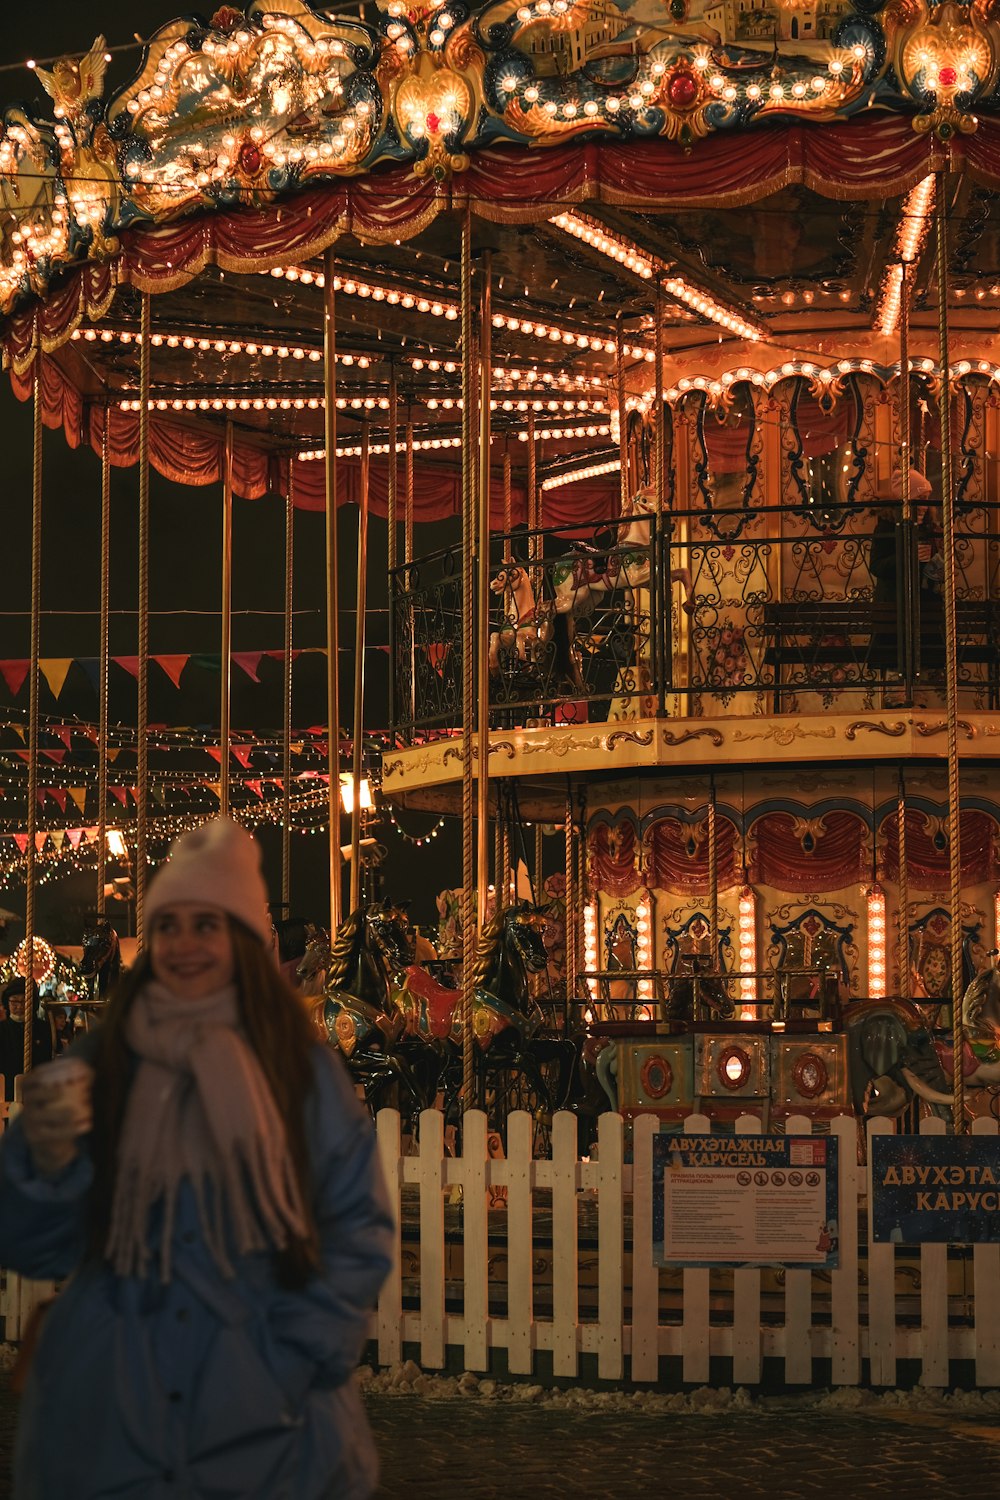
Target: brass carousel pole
(36, 624)
(408, 558)
(102, 661)
(622, 422)
(661, 599)
(358, 726)
(713, 877)
(950, 663)
(911, 638)
(332, 589)
(903, 892)
(483, 608)
(392, 527)
(142, 712)
(503, 823)
(226, 650)
(571, 895)
(286, 745)
(468, 649)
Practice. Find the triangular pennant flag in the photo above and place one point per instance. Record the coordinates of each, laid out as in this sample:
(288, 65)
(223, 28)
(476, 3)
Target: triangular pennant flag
(159, 794)
(133, 792)
(24, 755)
(92, 666)
(58, 795)
(40, 796)
(57, 755)
(242, 754)
(91, 834)
(114, 752)
(215, 751)
(118, 792)
(216, 787)
(249, 661)
(62, 732)
(21, 840)
(130, 664)
(58, 836)
(280, 655)
(173, 666)
(256, 787)
(74, 835)
(14, 673)
(54, 670)
(79, 795)
(40, 841)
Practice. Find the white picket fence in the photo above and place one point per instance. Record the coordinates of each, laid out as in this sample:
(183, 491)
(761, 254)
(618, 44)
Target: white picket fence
(631, 1314)
(639, 1313)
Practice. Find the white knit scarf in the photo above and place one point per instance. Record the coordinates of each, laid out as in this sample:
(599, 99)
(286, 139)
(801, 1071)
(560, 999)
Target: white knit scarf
(199, 1108)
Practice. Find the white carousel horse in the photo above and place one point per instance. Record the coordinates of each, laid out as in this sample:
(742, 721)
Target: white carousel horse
(577, 585)
(632, 552)
(527, 625)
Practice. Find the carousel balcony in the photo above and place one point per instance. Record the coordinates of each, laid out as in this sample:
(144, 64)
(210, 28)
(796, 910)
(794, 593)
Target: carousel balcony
(816, 616)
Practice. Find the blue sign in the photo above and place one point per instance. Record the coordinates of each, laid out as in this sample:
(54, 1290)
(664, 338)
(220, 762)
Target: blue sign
(745, 1200)
(935, 1189)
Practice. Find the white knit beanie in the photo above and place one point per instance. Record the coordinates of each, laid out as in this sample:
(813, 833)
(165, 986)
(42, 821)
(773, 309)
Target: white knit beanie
(920, 488)
(218, 864)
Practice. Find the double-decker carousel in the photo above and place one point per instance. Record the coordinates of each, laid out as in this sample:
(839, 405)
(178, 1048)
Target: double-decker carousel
(686, 340)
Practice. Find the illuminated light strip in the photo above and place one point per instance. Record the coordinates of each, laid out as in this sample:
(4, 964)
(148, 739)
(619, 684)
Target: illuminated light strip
(438, 307)
(644, 946)
(748, 948)
(876, 943)
(591, 956)
(826, 375)
(618, 250)
(421, 445)
(351, 403)
(268, 349)
(573, 476)
(910, 237)
(568, 432)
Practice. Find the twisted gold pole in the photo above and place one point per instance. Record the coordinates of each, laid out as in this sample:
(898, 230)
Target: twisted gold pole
(468, 658)
(408, 499)
(104, 649)
(332, 588)
(713, 878)
(622, 422)
(950, 660)
(570, 897)
(286, 745)
(33, 689)
(391, 504)
(358, 729)
(226, 649)
(506, 499)
(142, 712)
(903, 892)
(483, 605)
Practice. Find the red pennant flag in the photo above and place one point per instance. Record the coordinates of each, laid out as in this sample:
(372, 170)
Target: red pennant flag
(23, 755)
(173, 666)
(14, 673)
(58, 795)
(130, 664)
(62, 732)
(74, 835)
(256, 787)
(133, 792)
(40, 796)
(57, 755)
(242, 754)
(249, 661)
(21, 840)
(280, 655)
(118, 792)
(215, 751)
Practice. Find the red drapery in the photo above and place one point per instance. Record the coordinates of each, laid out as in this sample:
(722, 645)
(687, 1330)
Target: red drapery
(927, 848)
(612, 851)
(675, 855)
(821, 854)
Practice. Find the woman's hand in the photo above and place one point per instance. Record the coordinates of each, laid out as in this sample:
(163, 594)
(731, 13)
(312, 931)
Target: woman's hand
(56, 1112)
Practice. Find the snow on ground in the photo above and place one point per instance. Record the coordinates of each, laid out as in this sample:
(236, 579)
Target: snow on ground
(407, 1379)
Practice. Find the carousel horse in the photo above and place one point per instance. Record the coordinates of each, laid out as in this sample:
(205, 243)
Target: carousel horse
(370, 948)
(630, 565)
(577, 584)
(527, 625)
(311, 971)
(101, 963)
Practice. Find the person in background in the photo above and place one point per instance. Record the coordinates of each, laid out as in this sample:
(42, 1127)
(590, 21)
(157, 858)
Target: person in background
(202, 1170)
(12, 1035)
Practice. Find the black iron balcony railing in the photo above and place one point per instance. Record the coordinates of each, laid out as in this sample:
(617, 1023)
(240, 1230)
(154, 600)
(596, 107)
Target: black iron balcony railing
(657, 614)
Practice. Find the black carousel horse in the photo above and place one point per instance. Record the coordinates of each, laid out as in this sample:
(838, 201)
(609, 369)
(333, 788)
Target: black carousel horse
(370, 948)
(101, 963)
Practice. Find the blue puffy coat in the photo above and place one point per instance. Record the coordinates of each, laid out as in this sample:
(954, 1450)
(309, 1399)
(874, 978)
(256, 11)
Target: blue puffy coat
(206, 1388)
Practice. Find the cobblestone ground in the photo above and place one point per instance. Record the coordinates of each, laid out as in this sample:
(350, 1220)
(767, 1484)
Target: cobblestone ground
(478, 1450)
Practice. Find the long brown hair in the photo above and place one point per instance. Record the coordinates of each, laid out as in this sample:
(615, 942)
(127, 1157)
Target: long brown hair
(282, 1038)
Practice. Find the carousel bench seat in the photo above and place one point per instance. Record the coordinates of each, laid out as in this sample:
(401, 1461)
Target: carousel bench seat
(833, 636)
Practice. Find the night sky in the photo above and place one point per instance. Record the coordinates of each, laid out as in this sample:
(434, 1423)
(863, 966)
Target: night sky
(185, 565)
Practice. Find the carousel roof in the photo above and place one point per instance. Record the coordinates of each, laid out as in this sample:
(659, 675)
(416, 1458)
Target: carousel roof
(759, 181)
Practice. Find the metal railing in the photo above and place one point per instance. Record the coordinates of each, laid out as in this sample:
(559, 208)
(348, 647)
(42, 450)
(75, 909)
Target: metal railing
(673, 615)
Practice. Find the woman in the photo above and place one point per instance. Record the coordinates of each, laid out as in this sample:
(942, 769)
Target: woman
(220, 1211)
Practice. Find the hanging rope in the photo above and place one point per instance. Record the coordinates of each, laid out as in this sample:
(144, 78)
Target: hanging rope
(142, 712)
(950, 663)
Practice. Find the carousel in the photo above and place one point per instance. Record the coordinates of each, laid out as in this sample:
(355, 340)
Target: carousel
(665, 343)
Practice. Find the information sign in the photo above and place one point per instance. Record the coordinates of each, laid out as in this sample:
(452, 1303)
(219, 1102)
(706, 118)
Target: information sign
(748, 1200)
(935, 1189)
